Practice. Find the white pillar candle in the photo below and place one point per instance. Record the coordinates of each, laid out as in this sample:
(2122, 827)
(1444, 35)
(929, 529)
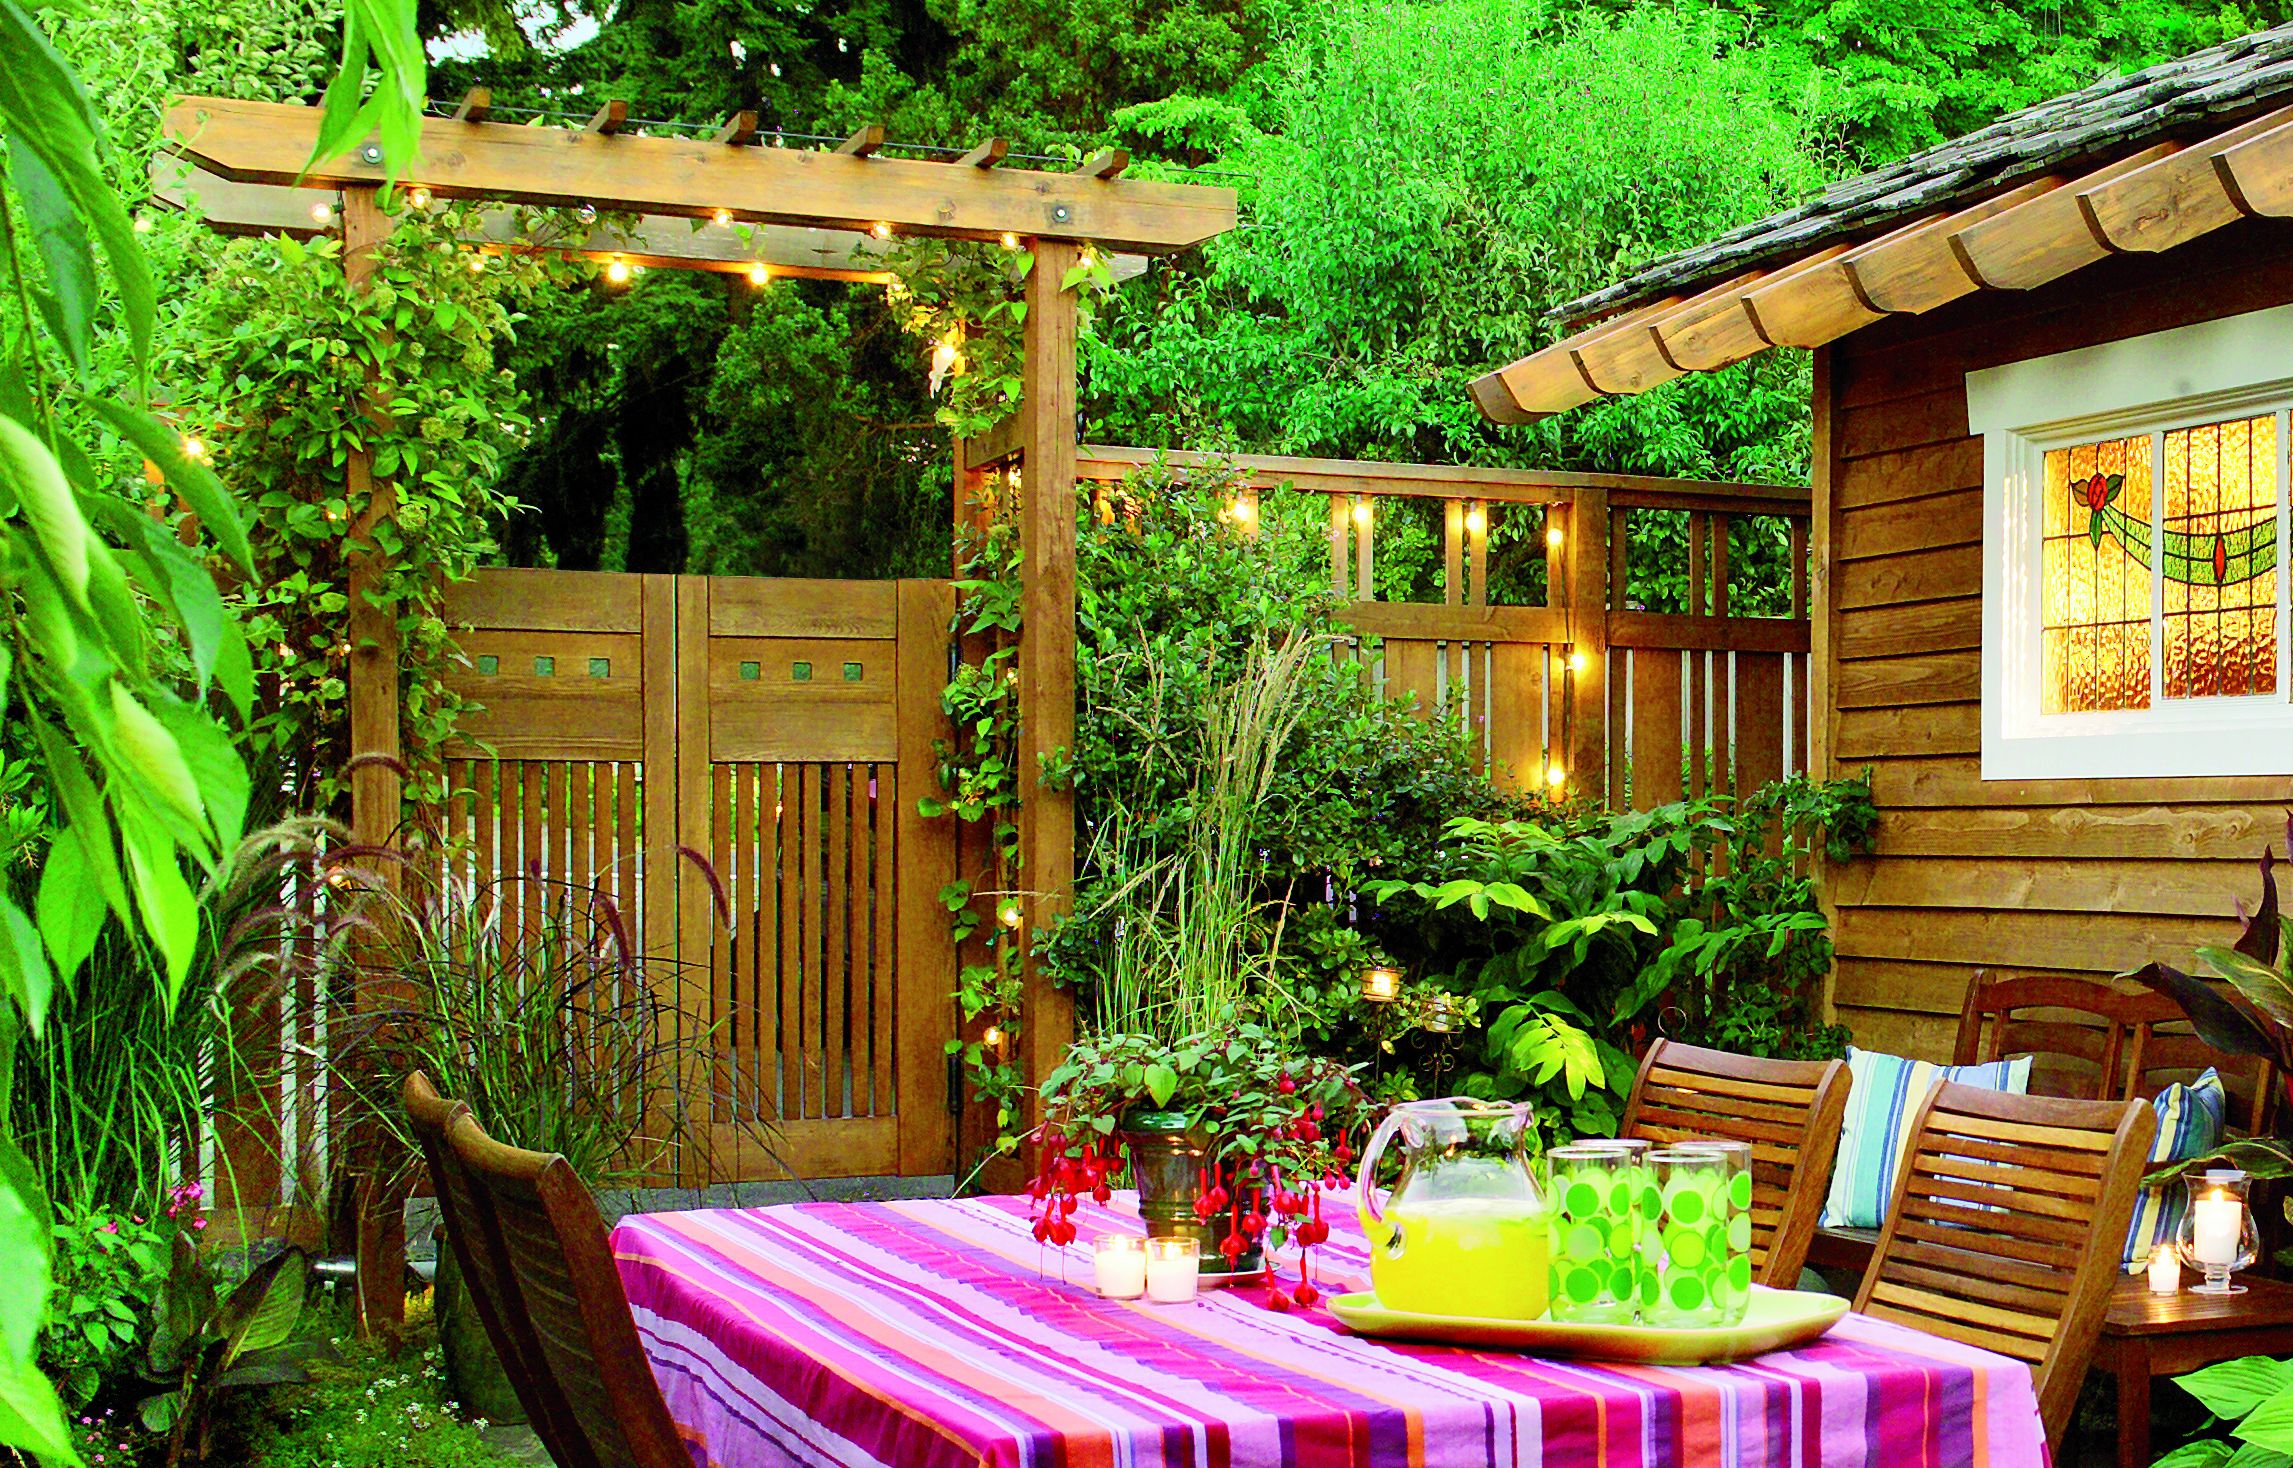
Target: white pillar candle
(1119, 1262)
(2216, 1220)
(1173, 1270)
(2165, 1271)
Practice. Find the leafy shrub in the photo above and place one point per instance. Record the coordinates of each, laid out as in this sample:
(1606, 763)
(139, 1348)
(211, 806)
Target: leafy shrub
(110, 1268)
(2251, 1400)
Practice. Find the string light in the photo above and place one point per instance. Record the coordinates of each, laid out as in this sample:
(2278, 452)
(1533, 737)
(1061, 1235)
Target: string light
(1010, 240)
(477, 265)
(1555, 776)
(1361, 513)
(143, 224)
(418, 197)
(993, 1038)
(723, 217)
(1476, 521)
(1242, 509)
(617, 271)
(194, 447)
(1007, 913)
(758, 276)
(1578, 662)
(1554, 537)
(322, 213)
(880, 230)
(943, 359)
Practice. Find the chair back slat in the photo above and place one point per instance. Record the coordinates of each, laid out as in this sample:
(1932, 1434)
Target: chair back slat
(1789, 1110)
(561, 1264)
(2008, 1219)
(477, 1246)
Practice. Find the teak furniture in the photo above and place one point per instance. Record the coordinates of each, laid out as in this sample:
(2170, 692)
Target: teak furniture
(2146, 1336)
(525, 1225)
(2089, 1041)
(2006, 1226)
(1790, 1112)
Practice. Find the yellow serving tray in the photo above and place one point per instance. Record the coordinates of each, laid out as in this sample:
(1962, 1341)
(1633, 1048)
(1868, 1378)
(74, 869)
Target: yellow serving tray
(1777, 1320)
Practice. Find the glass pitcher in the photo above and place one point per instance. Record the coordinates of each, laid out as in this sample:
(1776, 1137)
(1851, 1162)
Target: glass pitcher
(1463, 1231)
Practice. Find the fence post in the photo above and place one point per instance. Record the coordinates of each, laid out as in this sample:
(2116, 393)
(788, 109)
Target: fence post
(1586, 554)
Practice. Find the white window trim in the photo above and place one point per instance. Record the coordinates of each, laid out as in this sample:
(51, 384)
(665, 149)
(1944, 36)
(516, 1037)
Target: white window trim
(2146, 384)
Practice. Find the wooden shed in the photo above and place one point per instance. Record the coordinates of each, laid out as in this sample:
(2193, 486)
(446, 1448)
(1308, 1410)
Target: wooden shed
(2052, 366)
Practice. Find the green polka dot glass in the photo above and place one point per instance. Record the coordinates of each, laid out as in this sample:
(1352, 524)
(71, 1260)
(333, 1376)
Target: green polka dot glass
(1735, 1288)
(1694, 1275)
(1596, 1255)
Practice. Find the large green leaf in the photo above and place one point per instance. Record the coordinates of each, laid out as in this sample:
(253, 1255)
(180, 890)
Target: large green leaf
(70, 907)
(2263, 984)
(31, 475)
(62, 242)
(31, 1416)
(165, 905)
(2270, 1424)
(261, 1313)
(215, 766)
(218, 513)
(24, 971)
(2230, 1389)
(45, 113)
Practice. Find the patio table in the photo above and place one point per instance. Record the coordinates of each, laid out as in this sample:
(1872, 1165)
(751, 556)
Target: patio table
(920, 1334)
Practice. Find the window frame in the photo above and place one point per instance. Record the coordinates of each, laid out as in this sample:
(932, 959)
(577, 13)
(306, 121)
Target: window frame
(2142, 386)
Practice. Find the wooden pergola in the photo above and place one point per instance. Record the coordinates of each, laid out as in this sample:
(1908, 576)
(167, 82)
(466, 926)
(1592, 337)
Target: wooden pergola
(783, 208)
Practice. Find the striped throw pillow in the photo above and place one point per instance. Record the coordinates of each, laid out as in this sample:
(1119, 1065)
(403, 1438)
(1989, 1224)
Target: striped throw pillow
(2190, 1120)
(1881, 1101)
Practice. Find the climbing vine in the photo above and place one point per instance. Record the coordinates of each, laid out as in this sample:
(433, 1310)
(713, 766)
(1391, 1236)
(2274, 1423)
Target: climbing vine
(297, 371)
(968, 302)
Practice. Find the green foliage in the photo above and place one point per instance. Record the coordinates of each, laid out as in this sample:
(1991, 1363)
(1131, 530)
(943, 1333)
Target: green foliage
(110, 1268)
(207, 1341)
(2251, 1399)
(292, 353)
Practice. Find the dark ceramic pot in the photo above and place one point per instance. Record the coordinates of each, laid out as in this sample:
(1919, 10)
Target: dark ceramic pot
(1166, 1165)
(474, 1371)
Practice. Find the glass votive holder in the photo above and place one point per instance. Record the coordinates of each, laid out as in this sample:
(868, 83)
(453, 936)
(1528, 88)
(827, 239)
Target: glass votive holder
(1119, 1266)
(1173, 1269)
(1595, 1207)
(1732, 1288)
(1692, 1237)
(2217, 1233)
(2165, 1269)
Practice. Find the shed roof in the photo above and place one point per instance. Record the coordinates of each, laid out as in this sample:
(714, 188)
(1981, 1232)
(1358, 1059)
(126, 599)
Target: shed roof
(2139, 162)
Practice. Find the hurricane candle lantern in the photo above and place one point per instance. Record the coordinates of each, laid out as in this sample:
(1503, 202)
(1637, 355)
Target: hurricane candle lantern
(1596, 1229)
(2217, 1236)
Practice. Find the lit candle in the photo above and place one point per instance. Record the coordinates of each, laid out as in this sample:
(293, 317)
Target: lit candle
(2216, 1220)
(2165, 1271)
(1173, 1269)
(1120, 1265)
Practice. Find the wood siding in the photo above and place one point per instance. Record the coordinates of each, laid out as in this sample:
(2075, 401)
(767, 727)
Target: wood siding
(2047, 876)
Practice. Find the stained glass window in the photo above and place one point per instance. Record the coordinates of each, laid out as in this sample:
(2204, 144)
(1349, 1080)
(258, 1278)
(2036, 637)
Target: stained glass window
(2220, 559)
(2095, 572)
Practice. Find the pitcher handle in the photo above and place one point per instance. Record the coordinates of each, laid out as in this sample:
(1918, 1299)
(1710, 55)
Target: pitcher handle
(1365, 1200)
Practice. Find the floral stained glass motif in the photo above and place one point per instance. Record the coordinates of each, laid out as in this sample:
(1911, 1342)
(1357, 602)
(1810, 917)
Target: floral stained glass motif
(2094, 651)
(2220, 570)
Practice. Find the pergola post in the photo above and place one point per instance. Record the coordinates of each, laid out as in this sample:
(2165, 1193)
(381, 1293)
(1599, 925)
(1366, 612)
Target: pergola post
(1047, 640)
(375, 784)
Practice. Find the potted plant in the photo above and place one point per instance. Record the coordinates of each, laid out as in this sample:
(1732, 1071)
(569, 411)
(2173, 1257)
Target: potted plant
(1230, 1137)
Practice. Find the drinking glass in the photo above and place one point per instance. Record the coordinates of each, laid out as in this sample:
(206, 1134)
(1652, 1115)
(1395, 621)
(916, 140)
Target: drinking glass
(1596, 1234)
(1691, 1237)
(1732, 1288)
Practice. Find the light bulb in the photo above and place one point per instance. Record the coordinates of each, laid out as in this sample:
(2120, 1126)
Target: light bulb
(993, 1038)
(143, 224)
(880, 230)
(1577, 662)
(1361, 512)
(1554, 537)
(194, 447)
(1242, 510)
(1555, 776)
(418, 197)
(477, 265)
(1476, 521)
(1008, 914)
(1010, 240)
(322, 213)
(722, 217)
(617, 272)
(759, 276)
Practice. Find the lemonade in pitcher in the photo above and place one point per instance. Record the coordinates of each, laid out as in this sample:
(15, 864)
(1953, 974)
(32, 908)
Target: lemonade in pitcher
(1463, 1231)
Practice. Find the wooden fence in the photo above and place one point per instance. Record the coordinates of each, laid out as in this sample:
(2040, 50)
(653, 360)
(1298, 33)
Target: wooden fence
(1642, 707)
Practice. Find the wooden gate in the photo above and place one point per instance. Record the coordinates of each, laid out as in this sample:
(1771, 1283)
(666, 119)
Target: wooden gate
(782, 730)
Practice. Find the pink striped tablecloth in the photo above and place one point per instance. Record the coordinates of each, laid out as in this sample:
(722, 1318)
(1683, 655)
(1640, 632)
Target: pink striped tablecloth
(924, 1334)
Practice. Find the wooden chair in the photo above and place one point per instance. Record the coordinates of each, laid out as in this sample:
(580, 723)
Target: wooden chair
(560, 1316)
(1789, 1110)
(485, 1273)
(2006, 1226)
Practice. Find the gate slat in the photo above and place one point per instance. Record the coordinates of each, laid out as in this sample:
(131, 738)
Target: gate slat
(837, 894)
(790, 798)
(726, 944)
(883, 885)
(808, 780)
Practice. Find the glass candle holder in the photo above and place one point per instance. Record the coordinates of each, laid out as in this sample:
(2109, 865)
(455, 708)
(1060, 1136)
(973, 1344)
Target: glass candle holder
(2165, 1270)
(1119, 1266)
(2217, 1235)
(1173, 1270)
(1692, 1234)
(1596, 1233)
(1732, 1287)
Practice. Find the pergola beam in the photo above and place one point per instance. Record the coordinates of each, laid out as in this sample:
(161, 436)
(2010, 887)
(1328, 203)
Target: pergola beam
(656, 240)
(986, 155)
(864, 141)
(609, 119)
(739, 129)
(267, 142)
(1106, 163)
(477, 105)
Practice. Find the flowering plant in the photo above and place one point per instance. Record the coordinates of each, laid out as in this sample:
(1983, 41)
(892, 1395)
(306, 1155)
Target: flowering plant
(1274, 1128)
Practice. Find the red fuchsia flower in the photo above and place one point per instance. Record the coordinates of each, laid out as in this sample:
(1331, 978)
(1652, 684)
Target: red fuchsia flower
(1278, 1302)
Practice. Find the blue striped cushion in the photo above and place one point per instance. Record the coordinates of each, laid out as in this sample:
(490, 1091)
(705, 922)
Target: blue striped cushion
(2189, 1125)
(1885, 1092)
